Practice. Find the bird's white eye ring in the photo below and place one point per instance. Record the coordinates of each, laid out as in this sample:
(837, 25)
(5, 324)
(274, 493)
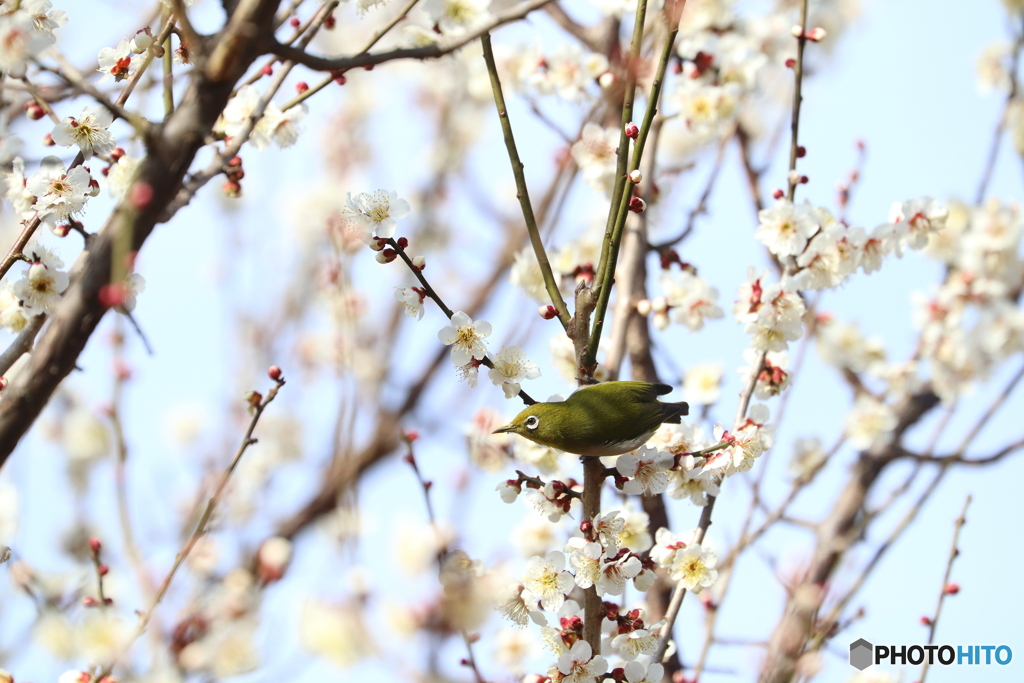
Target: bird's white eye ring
(532, 422)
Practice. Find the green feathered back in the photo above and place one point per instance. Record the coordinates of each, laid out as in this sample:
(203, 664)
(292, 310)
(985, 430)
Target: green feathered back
(600, 417)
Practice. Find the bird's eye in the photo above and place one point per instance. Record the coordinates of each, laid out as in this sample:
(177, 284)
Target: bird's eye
(532, 422)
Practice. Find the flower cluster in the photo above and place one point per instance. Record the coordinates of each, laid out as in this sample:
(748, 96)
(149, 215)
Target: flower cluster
(568, 71)
(26, 29)
(688, 300)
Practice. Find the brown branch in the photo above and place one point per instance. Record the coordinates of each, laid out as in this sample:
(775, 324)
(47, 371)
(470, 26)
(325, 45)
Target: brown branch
(342, 64)
(160, 174)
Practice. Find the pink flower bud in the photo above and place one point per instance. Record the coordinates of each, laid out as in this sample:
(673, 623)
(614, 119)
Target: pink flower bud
(637, 205)
(140, 195)
(790, 63)
(547, 312)
(48, 140)
(267, 70)
(95, 545)
(301, 87)
(816, 34)
(116, 154)
(232, 188)
(294, 22)
(3, 383)
(34, 111)
(952, 589)
(412, 435)
(778, 193)
(926, 621)
(632, 130)
(274, 372)
(102, 570)
(89, 601)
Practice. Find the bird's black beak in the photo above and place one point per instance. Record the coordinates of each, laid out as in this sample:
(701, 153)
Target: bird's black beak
(503, 430)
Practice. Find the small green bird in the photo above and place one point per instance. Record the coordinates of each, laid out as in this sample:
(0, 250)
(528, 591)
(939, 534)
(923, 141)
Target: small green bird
(611, 418)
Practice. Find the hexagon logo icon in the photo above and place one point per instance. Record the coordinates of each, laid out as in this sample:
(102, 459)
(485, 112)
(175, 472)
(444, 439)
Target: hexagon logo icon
(861, 654)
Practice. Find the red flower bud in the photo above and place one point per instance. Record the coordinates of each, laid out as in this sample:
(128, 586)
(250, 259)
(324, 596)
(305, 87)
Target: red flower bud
(402, 242)
(632, 130)
(301, 87)
(102, 570)
(801, 151)
(267, 70)
(274, 372)
(94, 544)
(295, 23)
(778, 193)
(637, 205)
(952, 589)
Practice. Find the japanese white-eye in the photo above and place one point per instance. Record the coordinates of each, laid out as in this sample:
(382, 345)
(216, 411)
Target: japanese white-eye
(611, 418)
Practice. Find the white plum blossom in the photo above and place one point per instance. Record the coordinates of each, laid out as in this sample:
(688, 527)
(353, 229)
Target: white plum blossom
(595, 154)
(377, 212)
(466, 338)
(517, 604)
(235, 117)
(547, 578)
(646, 469)
(808, 456)
(508, 492)
(702, 384)
(869, 422)
(843, 346)
(615, 573)
(121, 175)
(59, 193)
(511, 367)
(585, 558)
(704, 107)
(773, 313)
(747, 444)
(638, 673)
(633, 644)
(689, 481)
(785, 228)
(917, 219)
(686, 561)
(13, 316)
(412, 298)
(455, 17)
(132, 286)
(118, 62)
(88, 131)
(40, 287)
(635, 534)
(17, 192)
(45, 19)
(279, 127)
(21, 41)
(568, 71)
(691, 299)
(577, 666)
(608, 526)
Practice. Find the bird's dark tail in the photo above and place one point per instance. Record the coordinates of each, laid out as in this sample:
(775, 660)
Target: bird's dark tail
(674, 411)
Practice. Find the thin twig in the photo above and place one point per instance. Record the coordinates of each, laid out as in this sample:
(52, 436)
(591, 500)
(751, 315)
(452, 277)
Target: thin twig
(200, 529)
(954, 552)
(522, 191)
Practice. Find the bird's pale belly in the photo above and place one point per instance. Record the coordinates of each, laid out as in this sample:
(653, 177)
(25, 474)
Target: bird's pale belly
(617, 448)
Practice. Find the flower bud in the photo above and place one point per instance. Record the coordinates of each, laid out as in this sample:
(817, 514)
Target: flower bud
(402, 242)
(95, 545)
(606, 80)
(377, 243)
(790, 63)
(637, 205)
(926, 621)
(141, 41)
(3, 383)
(659, 304)
(635, 176)
(419, 262)
(267, 70)
(632, 130)
(660, 321)
(116, 154)
(102, 570)
(274, 372)
(643, 307)
(89, 601)
(48, 140)
(547, 312)
(301, 87)
(801, 152)
(816, 34)
(232, 188)
(797, 31)
(294, 22)
(34, 111)
(778, 193)
(952, 589)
